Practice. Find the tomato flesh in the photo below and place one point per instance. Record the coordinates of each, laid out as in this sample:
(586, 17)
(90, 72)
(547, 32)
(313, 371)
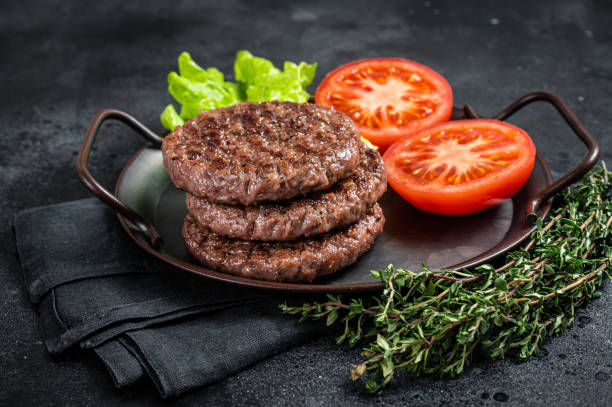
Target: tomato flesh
(460, 167)
(388, 98)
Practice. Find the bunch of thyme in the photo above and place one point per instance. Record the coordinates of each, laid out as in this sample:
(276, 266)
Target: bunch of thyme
(434, 321)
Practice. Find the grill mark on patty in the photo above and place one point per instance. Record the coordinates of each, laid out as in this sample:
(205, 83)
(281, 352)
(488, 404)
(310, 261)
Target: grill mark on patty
(287, 155)
(344, 203)
(299, 260)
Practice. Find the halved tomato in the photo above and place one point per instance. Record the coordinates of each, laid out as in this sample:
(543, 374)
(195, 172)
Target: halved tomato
(460, 167)
(388, 98)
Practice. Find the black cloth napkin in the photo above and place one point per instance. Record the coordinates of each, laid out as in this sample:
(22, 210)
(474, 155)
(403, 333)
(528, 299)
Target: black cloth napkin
(97, 289)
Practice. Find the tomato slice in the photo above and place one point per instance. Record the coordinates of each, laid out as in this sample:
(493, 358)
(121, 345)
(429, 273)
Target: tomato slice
(388, 98)
(460, 167)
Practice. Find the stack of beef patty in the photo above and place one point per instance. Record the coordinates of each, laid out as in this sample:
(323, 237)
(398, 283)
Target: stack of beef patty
(276, 191)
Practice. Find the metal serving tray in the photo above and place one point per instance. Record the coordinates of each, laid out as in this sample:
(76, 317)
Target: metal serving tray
(151, 210)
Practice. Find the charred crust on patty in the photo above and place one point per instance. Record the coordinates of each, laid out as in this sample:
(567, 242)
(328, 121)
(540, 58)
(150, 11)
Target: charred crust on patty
(300, 260)
(251, 153)
(346, 202)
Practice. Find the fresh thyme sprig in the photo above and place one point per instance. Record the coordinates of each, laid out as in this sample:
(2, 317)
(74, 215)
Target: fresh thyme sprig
(434, 321)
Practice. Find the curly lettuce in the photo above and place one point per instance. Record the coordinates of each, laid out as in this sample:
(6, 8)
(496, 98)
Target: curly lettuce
(262, 81)
(258, 80)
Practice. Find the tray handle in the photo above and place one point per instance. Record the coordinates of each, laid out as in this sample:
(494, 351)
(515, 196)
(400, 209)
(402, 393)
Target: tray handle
(98, 190)
(570, 118)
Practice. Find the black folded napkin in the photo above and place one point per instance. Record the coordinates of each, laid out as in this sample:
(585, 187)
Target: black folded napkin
(95, 288)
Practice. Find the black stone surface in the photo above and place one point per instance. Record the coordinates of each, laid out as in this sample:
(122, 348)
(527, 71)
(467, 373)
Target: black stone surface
(62, 61)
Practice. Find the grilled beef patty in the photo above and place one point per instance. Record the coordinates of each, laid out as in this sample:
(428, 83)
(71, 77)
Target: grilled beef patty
(299, 260)
(250, 153)
(346, 202)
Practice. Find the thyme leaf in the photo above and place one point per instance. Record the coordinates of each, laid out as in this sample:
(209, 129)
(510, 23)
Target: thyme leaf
(432, 322)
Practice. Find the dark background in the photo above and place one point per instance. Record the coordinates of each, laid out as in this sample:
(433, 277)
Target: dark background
(63, 61)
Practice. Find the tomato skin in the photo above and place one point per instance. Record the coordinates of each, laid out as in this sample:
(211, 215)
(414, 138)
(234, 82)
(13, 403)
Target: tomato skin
(387, 135)
(467, 197)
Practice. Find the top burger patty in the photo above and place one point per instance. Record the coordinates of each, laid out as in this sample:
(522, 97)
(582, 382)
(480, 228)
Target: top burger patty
(250, 153)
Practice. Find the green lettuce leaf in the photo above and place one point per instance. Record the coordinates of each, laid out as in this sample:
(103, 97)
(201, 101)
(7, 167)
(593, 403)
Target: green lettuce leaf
(202, 89)
(170, 118)
(262, 81)
(197, 89)
(368, 143)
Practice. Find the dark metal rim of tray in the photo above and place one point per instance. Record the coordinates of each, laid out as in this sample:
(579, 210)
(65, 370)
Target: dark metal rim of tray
(147, 237)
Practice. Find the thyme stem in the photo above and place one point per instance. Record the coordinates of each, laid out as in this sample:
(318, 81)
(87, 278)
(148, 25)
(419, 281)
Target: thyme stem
(434, 321)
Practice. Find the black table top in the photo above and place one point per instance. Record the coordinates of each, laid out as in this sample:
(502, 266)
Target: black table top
(63, 61)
